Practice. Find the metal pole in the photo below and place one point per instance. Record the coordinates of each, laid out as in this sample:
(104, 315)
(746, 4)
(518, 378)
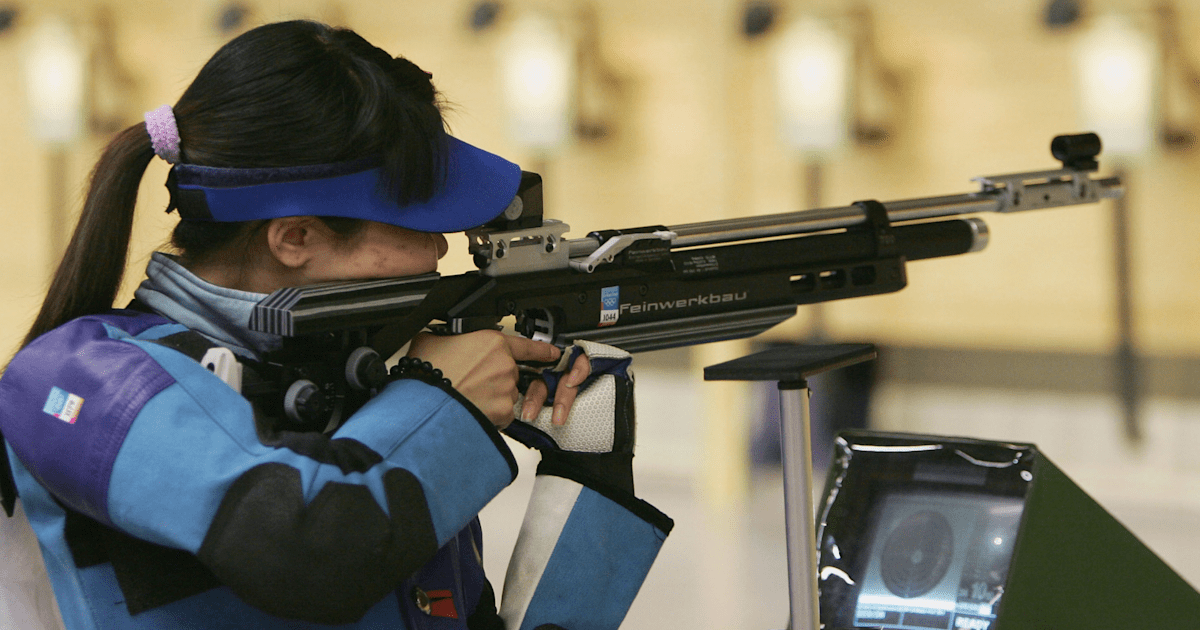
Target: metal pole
(1125, 359)
(799, 513)
(814, 180)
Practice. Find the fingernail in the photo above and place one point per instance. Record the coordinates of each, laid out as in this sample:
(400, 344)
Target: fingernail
(560, 415)
(527, 412)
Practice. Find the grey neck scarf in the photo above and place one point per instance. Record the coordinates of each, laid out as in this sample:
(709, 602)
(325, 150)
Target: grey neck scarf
(219, 313)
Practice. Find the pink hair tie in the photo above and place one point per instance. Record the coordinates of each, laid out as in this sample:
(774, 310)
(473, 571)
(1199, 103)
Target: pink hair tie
(164, 133)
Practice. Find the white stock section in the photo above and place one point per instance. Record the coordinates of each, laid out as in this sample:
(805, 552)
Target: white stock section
(549, 508)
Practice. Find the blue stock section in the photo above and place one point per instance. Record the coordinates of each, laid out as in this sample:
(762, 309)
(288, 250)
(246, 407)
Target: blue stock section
(602, 556)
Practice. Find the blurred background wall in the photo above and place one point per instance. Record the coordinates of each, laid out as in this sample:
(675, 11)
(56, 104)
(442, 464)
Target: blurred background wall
(676, 120)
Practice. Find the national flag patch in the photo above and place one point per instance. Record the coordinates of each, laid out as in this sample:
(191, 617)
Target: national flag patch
(63, 405)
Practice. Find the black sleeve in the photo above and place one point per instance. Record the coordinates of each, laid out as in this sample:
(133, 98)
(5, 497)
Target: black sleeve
(328, 561)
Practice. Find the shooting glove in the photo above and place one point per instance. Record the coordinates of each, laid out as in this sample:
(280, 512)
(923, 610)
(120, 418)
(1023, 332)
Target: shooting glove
(587, 542)
(598, 437)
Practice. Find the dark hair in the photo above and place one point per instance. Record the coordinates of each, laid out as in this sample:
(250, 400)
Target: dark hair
(284, 94)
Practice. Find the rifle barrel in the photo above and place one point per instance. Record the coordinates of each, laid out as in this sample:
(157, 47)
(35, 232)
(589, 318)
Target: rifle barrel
(822, 219)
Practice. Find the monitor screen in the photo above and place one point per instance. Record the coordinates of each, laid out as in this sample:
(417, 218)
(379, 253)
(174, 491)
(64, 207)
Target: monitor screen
(937, 560)
(917, 533)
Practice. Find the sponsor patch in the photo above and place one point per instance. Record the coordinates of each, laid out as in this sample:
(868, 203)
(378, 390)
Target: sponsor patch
(63, 405)
(610, 305)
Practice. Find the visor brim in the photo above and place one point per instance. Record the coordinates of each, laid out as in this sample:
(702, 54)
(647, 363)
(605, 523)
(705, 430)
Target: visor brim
(475, 188)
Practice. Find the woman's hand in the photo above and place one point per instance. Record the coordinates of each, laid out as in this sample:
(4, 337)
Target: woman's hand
(564, 394)
(482, 366)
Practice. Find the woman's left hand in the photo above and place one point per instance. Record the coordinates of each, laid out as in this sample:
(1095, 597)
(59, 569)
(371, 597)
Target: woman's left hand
(564, 394)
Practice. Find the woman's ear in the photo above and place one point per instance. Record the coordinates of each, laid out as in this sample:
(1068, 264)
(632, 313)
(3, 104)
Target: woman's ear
(294, 241)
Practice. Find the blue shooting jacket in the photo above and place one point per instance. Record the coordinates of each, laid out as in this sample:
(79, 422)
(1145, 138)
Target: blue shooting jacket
(159, 503)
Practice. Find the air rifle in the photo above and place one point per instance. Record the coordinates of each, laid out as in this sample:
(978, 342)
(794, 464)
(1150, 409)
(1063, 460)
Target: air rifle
(640, 289)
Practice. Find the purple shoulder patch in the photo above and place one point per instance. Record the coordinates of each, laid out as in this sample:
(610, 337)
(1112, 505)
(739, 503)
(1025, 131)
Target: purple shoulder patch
(67, 401)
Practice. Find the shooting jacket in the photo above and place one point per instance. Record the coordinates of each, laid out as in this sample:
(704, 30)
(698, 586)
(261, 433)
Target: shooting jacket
(160, 503)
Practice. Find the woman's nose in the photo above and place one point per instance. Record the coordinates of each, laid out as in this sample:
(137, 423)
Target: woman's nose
(442, 246)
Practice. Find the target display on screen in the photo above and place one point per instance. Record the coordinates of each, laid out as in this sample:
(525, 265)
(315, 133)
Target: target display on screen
(937, 560)
(916, 554)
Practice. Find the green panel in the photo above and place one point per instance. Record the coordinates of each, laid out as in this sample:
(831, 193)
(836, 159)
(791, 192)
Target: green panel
(1076, 567)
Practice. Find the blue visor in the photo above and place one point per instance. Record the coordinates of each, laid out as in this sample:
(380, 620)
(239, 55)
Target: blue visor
(477, 186)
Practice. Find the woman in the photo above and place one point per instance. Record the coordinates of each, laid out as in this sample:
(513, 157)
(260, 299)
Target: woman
(162, 499)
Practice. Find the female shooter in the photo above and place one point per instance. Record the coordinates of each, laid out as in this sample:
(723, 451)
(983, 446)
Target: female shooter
(161, 498)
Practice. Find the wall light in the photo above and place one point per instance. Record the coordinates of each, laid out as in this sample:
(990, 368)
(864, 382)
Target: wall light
(54, 62)
(758, 16)
(1118, 75)
(814, 68)
(112, 94)
(538, 75)
(232, 18)
(812, 80)
(1061, 13)
(8, 16)
(484, 15)
(55, 84)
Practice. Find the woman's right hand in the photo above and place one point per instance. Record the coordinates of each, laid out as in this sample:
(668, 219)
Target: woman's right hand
(482, 366)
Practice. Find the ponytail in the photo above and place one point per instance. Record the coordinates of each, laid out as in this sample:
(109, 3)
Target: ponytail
(89, 275)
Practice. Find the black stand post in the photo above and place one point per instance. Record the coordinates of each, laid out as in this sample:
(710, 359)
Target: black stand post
(791, 366)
